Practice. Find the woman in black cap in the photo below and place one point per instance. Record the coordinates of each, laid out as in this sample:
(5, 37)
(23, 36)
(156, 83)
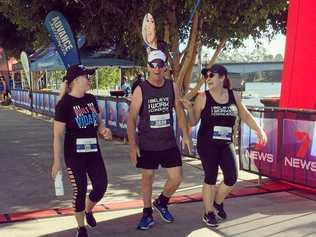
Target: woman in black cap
(218, 108)
(77, 124)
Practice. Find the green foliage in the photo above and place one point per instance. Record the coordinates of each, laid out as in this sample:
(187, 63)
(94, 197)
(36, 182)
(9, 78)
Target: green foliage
(108, 77)
(241, 55)
(118, 22)
(54, 79)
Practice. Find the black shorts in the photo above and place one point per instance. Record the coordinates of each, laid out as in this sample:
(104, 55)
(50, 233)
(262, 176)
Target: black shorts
(152, 159)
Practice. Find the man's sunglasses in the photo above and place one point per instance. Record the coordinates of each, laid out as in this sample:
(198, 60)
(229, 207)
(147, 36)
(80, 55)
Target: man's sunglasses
(156, 65)
(208, 75)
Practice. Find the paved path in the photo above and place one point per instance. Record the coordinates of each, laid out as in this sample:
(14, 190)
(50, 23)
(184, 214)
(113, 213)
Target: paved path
(26, 155)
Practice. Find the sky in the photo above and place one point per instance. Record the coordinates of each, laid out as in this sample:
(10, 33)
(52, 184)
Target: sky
(276, 46)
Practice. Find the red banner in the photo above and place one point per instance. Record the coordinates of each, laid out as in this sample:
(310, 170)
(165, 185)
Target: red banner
(298, 79)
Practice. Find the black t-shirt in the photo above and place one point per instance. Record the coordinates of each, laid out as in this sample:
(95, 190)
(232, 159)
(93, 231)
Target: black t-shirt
(217, 120)
(80, 116)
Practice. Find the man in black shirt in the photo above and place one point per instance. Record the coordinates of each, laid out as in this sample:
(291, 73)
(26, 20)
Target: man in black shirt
(154, 101)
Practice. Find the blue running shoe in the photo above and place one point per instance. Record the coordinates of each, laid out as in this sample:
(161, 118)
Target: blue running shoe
(164, 212)
(210, 219)
(145, 223)
(220, 211)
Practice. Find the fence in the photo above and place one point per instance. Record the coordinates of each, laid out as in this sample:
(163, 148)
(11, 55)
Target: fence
(290, 153)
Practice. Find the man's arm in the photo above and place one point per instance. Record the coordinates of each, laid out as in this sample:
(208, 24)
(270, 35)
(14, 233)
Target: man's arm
(181, 118)
(131, 123)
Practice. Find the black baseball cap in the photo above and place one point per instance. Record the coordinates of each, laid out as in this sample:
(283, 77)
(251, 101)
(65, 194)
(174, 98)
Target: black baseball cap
(75, 71)
(216, 68)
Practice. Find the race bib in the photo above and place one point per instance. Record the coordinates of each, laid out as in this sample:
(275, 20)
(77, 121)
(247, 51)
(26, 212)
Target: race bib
(222, 133)
(85, 145)
(160, 121)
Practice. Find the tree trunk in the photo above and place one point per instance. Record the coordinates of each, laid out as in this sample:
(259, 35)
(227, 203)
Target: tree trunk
(200, 82)
(188, 59)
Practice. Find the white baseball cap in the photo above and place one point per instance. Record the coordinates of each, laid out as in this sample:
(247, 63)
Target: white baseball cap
(156, 54)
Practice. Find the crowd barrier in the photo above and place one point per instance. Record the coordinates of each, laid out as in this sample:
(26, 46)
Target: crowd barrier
(290, 153)
(114, 110)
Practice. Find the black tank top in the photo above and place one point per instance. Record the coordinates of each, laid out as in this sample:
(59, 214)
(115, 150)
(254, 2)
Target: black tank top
(156, 117)
(218, 120)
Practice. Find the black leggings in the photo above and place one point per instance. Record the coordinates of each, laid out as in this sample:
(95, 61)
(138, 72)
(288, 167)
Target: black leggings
(213, 156)
(77, 169)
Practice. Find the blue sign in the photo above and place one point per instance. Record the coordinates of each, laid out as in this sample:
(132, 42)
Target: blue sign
(61, 35)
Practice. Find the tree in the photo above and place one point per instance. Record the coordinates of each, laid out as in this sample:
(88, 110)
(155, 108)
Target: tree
(13, 38)
(242, 55)
(216, 24)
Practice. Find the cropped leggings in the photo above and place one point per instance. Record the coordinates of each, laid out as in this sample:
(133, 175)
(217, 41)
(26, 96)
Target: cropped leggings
(213, 156)
(78, 168)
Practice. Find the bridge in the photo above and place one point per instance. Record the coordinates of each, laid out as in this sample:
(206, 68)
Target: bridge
(253, 67)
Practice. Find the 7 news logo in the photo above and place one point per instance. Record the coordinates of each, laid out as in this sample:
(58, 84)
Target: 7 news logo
(306, 144)
(257, 151)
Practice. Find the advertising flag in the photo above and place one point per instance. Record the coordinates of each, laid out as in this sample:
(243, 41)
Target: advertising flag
(26, 66)
(62, 36)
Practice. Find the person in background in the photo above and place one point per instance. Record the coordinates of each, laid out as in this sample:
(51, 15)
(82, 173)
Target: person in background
(218, 108)
(125, 86)
(139, 79)
(77, 125)
(153, 101)
(6, 90)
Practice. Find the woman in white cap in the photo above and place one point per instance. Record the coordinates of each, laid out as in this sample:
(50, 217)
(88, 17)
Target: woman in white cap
(77, 124)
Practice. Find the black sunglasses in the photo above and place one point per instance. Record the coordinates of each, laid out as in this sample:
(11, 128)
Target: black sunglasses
(208, 75)
(156, 65)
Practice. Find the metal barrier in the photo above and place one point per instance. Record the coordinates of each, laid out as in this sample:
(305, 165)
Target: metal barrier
(290, 153)
(114, 110)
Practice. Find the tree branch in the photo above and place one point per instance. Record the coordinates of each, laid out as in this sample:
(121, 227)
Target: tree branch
(200, 82)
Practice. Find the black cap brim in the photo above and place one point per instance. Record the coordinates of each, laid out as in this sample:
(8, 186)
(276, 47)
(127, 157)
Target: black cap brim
(90, 71)
(204, 71)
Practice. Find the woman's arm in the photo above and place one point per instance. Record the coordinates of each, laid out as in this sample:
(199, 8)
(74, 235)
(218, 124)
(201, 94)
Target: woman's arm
(59, 133)
(194, 111)
(247, 117)
(102, 130)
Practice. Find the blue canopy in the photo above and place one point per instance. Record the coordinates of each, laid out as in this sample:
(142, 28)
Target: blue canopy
(51, 61)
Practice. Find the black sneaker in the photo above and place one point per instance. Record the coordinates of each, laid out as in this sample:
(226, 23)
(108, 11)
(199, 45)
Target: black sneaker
(210, 219)
(163, 212)
(82, 232)
(220, 210)
(90, 219)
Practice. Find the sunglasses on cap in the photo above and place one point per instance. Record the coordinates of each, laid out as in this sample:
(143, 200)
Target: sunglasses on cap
(209, 75)
(160, 64)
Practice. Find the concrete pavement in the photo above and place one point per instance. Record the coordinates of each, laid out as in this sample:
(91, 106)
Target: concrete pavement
(26, 154)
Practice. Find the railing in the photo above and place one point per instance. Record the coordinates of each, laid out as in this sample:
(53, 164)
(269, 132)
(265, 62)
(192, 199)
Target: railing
(290, 153)
(114, 110)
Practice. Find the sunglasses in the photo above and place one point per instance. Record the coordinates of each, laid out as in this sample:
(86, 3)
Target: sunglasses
(157, 65)
(209, 75)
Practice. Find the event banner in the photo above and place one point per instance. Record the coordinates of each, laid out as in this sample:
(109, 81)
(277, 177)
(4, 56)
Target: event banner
(62, 36)
(41, 101)
(101, 105)
(46, 102)
(122, 114)
(52, 102)
(111, 114)
(193, 135)
(299, 151)
(256, 157)
(35, 106)
(26, 67)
